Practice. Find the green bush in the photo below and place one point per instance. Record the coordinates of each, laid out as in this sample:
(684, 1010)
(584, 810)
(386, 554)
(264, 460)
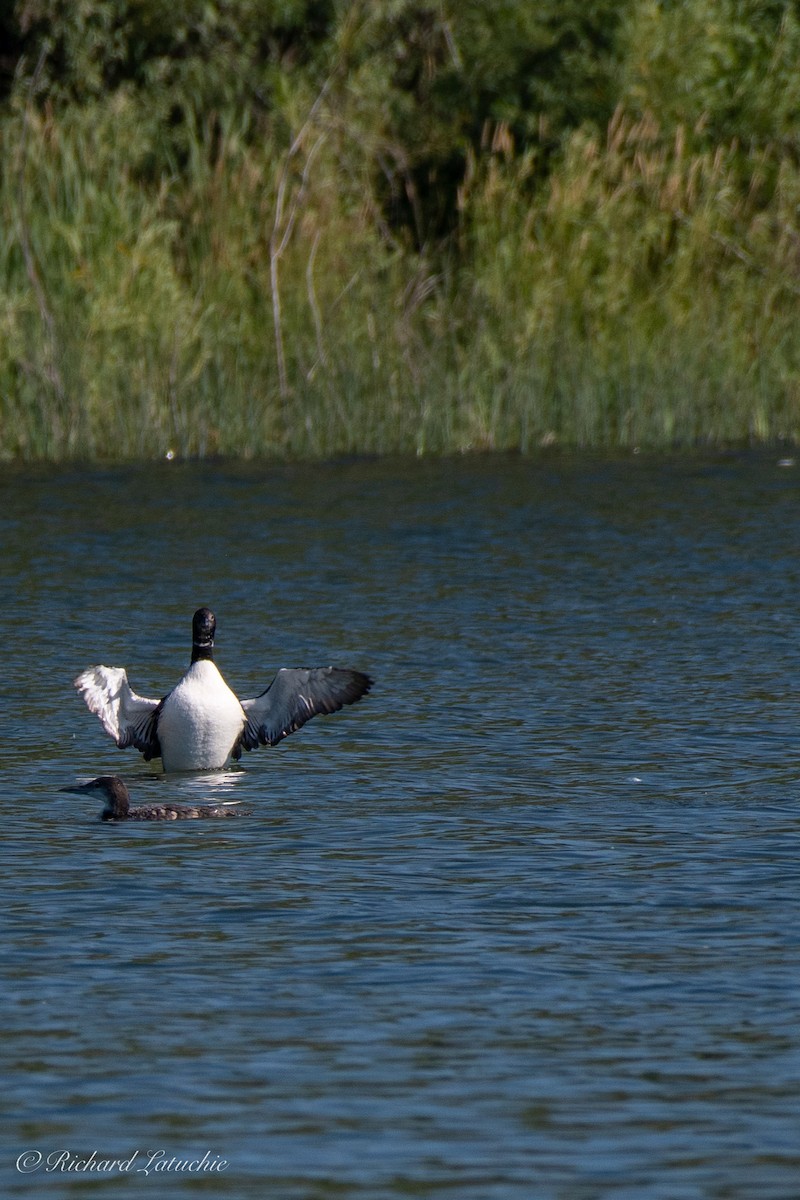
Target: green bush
(306, 229)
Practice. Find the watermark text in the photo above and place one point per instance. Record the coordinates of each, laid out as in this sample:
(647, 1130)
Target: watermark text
(140, 1162)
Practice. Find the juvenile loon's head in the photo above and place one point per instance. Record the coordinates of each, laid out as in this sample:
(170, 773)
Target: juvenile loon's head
(113, 791)
(204, 625)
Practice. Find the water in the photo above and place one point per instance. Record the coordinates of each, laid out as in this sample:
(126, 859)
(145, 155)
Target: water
(525, 923)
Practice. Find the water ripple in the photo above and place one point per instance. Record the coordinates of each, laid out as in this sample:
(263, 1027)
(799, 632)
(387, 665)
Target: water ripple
(523, 923)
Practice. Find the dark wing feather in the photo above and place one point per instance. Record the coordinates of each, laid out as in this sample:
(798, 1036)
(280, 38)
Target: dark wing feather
(141, 732)
(296, 695)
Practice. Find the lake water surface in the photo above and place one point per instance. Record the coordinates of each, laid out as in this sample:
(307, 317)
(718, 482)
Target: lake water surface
(522, 925)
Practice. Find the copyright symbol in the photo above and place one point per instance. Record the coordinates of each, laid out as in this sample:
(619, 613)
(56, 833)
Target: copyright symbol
(31, 1160)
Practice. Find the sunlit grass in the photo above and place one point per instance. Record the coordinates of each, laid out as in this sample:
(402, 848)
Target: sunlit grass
(255, 304)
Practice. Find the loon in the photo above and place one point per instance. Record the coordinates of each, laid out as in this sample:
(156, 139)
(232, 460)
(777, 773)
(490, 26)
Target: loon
(118, 804)
(201, 724)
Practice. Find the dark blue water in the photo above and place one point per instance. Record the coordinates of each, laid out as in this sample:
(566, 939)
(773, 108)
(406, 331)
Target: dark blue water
(525, 923)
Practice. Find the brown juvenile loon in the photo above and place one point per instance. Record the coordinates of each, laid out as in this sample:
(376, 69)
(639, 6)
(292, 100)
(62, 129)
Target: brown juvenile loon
(118, 804)
(201, 724)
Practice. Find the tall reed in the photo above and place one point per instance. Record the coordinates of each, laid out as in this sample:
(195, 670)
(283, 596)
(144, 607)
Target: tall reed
(254, 301)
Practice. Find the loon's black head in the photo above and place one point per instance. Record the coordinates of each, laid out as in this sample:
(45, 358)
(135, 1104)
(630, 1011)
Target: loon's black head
(204, 624)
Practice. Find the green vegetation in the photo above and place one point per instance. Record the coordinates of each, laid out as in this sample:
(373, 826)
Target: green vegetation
(315, 227)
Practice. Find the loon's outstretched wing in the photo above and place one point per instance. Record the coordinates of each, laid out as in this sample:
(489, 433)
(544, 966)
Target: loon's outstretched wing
(295, 695)
(130, 720)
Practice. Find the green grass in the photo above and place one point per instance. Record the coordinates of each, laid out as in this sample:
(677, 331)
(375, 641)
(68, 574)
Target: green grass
(255, 303)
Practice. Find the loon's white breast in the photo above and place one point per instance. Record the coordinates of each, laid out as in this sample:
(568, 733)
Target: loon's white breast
(200, 721)
(201, 724)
